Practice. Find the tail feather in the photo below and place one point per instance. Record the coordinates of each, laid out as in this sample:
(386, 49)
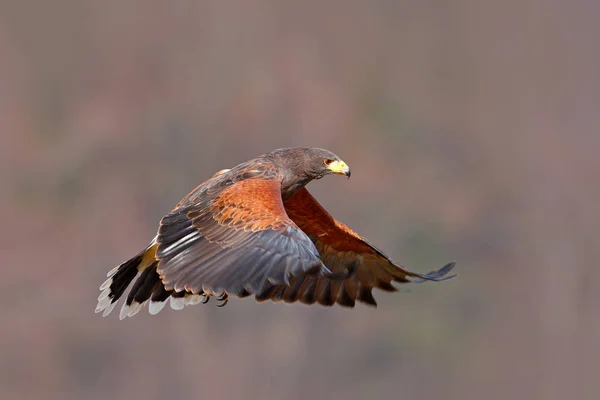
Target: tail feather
(141, 291)
(119, 278)
(143, 287)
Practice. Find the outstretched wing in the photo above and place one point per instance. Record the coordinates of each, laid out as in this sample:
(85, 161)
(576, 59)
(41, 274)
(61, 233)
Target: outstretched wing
(343, 251)
(236, 238)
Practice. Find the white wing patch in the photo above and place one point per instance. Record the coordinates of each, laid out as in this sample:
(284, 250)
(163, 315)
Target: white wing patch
(190, 237)
(221, 172)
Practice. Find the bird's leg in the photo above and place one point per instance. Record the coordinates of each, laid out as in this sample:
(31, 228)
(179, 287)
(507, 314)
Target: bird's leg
(206, 298)
(223, 298)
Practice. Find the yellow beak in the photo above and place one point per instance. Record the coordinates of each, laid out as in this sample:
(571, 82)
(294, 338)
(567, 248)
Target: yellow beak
(339, 167)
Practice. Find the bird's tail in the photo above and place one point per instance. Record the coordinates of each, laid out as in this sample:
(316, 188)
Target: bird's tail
(119, 278)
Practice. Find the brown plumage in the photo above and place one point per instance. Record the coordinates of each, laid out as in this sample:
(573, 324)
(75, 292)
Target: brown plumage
(256, 230)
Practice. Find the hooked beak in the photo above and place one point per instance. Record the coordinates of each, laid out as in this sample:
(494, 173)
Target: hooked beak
(339, 167)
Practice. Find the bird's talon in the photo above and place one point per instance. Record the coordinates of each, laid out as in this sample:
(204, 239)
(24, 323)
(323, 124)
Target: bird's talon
(223, 298)
(223, 303)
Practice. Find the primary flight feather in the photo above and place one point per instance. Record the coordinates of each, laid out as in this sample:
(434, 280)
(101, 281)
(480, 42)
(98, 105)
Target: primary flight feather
(256, 230)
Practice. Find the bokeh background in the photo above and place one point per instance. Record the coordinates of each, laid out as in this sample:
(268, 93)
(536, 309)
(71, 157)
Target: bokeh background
(472, 132)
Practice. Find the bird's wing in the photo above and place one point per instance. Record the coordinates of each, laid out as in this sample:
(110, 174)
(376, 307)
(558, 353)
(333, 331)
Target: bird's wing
(233, 238)
(342, 251)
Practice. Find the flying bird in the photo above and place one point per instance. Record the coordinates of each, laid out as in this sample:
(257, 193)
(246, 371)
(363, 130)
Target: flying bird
(255, 230)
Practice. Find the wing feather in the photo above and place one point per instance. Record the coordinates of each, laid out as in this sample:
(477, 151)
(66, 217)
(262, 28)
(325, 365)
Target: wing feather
(344, 251)
(233, 241)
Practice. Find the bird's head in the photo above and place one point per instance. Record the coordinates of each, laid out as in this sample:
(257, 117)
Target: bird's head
(310, 162)
(303, 164)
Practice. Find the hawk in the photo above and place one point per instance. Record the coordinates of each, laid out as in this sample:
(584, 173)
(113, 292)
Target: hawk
(255, 230)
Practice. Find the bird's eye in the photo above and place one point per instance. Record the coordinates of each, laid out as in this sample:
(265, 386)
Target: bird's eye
(328, 161)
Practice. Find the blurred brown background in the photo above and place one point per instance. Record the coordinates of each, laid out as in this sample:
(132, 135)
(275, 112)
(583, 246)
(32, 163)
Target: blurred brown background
(471, 129)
